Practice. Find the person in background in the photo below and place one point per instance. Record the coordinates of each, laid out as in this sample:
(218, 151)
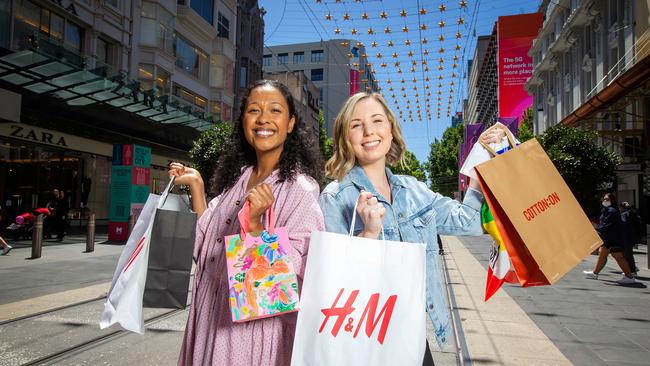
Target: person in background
(368, 138)
(630, 221)
(267, 161)
(610, 229)
(61, 211)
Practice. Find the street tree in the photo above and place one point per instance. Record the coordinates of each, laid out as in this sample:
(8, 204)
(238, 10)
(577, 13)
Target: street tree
(442, 166)
(324, 142)
(206, 149)
(525, 131)
(410, 167)
(587, 168)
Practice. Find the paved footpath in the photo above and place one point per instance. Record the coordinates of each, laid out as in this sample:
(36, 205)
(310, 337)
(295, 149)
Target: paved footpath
(575, 321)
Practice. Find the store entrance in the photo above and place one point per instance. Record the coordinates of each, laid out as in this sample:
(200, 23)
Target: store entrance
(29, 174)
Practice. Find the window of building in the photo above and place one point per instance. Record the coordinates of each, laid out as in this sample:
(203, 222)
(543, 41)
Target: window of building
(316, 74)
(73, 37)
(298, 57)
(162, 81)
(317, 56)
(103, 51)
(205, 8)
(157, 27)
(215, 108)
(223, 26)
(283, 58)
(5, 23)
(30, 18)
(267, 60)
(191, 59)
(145, 76)
(190, 97)
(243, 74)
(112, 3)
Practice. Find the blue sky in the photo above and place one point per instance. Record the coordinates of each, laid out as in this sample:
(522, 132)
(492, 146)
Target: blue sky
(451, 31)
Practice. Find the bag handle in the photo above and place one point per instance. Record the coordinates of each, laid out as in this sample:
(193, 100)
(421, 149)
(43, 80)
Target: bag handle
(244, 220)
(354, 217)
(511, 139)
(165, 193)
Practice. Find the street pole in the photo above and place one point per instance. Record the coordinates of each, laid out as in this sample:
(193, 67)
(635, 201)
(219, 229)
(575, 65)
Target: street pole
(37, 237)
(90, 235)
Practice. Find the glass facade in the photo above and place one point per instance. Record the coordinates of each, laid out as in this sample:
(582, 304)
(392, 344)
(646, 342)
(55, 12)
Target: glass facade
(30, 18)
(191, 59)
(157, 27)
(223, 26)
(317, 56)
(205, 8)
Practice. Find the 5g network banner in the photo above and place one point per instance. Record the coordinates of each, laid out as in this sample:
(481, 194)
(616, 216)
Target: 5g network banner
(515, 35)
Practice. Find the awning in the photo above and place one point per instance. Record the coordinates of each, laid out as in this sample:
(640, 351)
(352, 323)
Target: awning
(79, 81)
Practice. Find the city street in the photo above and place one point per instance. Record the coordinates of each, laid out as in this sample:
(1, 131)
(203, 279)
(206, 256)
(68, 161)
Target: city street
(50, 308)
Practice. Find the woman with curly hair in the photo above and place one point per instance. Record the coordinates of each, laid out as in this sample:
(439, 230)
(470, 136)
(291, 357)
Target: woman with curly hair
(269, 160)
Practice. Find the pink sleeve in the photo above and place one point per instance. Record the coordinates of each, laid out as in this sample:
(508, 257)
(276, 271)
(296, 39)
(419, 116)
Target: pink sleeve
(201, 226)
(302, 215)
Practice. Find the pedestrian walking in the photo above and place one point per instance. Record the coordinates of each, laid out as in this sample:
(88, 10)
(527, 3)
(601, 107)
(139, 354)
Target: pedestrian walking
(630, 221)
(6, 248)
(610, 229)
(267, 161)
(368, 138)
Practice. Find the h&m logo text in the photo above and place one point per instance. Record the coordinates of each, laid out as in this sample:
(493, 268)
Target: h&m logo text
(368, 315)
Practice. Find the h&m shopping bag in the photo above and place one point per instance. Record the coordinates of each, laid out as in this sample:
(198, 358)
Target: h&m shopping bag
(125, 298)
(170, 254)
(261, 278)
(545, 231)
(362, 303)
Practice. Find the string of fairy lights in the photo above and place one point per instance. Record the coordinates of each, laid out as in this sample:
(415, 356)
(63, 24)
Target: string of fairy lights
(413, 52)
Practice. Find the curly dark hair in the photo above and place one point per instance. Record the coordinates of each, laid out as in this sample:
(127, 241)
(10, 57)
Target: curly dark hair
(298, 154)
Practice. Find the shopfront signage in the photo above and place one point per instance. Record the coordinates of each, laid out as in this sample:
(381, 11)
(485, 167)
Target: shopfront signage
(37, 136)
(69, 8)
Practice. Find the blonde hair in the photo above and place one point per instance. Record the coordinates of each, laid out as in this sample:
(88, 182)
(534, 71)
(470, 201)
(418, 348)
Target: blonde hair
(343, 159)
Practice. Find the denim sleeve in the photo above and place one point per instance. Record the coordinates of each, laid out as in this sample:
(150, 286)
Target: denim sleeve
(455, 218)
(335, 220)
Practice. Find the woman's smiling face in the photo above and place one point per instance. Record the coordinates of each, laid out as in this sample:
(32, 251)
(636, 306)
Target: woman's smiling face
(266, 120)
(370, 132)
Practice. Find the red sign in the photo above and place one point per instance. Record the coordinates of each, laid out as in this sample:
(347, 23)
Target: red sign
(118, 231)
(354, 82)
(141, 176)
(127, 155)
(368, 315)
(515, 35)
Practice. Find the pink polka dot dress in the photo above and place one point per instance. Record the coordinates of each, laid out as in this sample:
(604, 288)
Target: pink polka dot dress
(211, 338)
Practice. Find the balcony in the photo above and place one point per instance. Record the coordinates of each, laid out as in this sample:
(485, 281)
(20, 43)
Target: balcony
(583, 15)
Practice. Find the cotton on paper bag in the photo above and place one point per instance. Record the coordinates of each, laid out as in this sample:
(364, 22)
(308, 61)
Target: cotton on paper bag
(545, 231)
(362, 303)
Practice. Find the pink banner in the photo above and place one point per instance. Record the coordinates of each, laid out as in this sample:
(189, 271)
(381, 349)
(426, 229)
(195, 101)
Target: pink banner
(515, 35)
(354, 82)
(141, 176)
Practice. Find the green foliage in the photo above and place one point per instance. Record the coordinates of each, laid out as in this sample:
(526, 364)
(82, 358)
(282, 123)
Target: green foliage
(525, 131)
(586, 167)
(442, 166)
(207, 148)
(411, 167)
(324, 142)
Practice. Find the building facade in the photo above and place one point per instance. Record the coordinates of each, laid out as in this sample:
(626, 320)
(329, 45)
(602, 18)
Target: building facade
(470, 110)
(337, 67)
(592, 70)
(77, 76)
(249, 47)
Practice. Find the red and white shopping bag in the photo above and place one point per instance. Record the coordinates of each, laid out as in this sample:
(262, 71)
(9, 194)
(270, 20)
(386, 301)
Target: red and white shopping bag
(362, 303)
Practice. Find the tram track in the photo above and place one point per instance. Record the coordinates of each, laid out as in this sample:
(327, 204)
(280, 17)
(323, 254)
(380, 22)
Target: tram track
(49, 311)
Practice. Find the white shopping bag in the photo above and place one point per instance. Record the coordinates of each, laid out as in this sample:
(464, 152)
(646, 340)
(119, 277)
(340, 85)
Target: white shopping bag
(124, 301)
(362, 303)
(479, 154)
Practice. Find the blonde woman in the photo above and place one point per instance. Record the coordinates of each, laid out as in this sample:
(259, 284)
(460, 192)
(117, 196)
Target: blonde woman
(367, 138)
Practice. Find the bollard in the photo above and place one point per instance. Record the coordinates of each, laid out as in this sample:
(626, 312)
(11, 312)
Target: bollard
(37, 237)
(90, 235)
(131, 223)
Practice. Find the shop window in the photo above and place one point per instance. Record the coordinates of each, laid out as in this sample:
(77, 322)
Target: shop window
(223, 26)
(283, 58)
(267, 60)
(316, 74)
(215, 108)
(317, 56)
(145, 76)
(205, 8)
(191, 59)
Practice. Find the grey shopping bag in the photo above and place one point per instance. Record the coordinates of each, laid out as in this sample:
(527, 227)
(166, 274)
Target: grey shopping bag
(170, 254)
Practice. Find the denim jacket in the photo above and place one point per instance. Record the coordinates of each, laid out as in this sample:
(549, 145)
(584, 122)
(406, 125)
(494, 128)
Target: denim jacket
(416, 215)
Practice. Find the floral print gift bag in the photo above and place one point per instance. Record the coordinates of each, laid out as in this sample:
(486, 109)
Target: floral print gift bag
(261, 278)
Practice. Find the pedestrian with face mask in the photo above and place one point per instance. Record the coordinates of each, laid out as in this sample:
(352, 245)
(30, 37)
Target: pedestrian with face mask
(610, 229)
(630, 221)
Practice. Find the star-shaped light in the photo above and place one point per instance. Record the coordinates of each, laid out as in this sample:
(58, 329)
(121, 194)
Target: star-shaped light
(383, 15)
